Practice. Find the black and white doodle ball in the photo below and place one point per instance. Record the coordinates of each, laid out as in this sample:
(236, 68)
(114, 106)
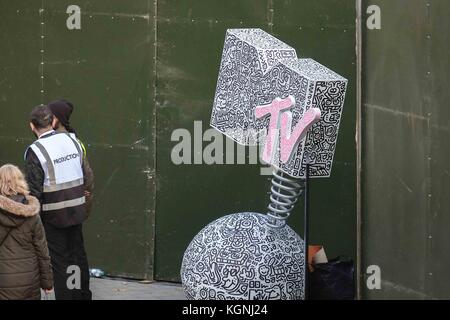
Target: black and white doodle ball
(239, 256)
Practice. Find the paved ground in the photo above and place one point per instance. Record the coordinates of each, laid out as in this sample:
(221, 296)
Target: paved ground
(107, 289)
(118, 289)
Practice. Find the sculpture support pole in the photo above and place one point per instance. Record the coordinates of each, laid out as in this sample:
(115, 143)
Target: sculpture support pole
(306, 230)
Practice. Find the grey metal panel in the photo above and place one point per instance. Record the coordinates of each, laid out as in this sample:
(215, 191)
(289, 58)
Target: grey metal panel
(404, 157)
(440, 148)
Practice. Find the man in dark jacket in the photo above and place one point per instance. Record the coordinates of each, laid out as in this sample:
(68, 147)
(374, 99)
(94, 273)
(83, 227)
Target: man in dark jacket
(62, 111)
(53, 166)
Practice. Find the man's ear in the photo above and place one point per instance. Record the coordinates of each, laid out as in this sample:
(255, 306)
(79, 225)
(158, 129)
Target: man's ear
(55, 123)
(33, 128)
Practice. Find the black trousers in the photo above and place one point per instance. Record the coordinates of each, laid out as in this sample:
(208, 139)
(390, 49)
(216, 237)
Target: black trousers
(68, 256)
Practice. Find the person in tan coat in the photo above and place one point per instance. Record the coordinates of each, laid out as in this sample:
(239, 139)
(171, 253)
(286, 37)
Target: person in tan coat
(25, 266)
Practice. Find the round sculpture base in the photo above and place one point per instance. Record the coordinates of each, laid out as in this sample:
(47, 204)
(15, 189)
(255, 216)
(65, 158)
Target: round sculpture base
(239, 256)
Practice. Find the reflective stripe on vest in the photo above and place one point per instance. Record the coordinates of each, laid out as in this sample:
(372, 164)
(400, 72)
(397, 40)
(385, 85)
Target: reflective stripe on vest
(63, 204)
(61, 158)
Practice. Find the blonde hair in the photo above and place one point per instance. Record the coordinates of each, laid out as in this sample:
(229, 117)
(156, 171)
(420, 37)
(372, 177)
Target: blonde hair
(12, 181)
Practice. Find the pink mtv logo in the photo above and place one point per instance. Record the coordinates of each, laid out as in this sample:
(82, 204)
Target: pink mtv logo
(280, 129)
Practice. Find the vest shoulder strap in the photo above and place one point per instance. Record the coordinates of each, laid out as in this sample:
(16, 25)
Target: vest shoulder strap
(26, 152)
(82, 147)
(78, 145)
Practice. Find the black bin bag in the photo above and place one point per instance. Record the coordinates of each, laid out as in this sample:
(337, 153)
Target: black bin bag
(333, 280)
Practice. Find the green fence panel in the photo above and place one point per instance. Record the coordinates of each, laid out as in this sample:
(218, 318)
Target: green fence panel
(106, 69)
(136, 71)
(190, 40)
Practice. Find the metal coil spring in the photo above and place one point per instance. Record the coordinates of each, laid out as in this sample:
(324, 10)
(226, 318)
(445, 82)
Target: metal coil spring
(284, 193)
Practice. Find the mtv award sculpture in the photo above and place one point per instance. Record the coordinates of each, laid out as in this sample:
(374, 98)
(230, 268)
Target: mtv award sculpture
(266, 95)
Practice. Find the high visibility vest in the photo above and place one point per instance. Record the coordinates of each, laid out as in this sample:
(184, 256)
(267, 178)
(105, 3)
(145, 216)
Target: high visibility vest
(61, 158)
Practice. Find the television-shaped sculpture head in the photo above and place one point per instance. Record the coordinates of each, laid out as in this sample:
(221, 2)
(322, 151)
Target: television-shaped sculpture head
(266, 95)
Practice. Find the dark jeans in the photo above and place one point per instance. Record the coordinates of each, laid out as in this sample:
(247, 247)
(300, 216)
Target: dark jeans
(66, 248)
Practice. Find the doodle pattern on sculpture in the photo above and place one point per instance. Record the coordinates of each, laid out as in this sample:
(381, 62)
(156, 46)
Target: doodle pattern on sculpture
(248, 55)
(322, 138)
(260, 39)
(236, 100)
(240, 257)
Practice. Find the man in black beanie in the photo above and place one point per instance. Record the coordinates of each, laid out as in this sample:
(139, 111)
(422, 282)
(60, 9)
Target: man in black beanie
(62, 111)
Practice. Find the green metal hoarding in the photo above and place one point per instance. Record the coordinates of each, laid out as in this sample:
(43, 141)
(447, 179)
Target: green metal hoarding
(138, 70)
